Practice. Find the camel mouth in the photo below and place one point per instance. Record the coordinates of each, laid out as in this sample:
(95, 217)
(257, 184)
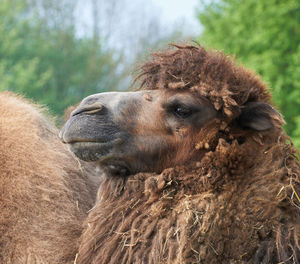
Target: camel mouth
(91, 150)
(88, 151)
(102, 153)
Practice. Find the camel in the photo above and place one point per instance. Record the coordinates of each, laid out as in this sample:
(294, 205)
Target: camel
(45, 192)
(195, 166)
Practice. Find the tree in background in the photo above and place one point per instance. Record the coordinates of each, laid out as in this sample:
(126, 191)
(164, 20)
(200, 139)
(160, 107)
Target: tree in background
(264, 36)
(46, 61)
(18, 71)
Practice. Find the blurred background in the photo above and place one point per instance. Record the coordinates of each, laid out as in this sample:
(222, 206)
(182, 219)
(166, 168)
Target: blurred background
(58, 51)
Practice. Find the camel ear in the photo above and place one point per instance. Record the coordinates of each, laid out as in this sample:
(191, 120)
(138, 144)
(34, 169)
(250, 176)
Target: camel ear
(259, 116)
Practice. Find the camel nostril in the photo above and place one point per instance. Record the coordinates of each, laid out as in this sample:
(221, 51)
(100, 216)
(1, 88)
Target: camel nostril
(88, 109)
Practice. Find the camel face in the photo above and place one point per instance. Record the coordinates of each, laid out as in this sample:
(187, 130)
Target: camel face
(130, 132)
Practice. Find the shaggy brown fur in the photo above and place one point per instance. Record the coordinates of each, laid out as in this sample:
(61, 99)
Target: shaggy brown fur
(239, 203)
(44, 190)
(209, 73)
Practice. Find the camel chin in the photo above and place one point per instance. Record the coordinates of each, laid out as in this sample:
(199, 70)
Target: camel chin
(92, 151)
(103, 154)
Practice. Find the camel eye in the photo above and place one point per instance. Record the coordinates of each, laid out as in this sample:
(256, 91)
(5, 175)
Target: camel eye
(179, 109)
(182, 112)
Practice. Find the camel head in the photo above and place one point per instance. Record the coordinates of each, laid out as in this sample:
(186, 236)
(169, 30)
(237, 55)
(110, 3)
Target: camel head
(129, 132)
(149, 130)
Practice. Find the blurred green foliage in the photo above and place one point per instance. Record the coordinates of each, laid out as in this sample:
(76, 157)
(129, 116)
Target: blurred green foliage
(48, 63)
(264, 36)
